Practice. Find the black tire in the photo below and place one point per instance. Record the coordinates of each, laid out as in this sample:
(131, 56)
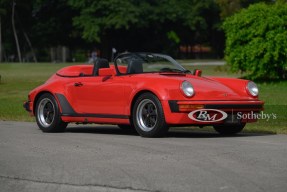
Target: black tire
(226, 129)
(148, 116)
(48, 114)
(125, 127)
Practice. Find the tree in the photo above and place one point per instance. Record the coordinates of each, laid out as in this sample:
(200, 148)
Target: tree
(3, 12)
(52, 22)
(256, 41)
(97, 16)
(15, 32)
(230, 7)
(16, 15)
(52, 27)
(148, 24)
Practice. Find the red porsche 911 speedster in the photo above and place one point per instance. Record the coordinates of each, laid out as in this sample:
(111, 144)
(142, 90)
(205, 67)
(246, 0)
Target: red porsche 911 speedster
(143, 91)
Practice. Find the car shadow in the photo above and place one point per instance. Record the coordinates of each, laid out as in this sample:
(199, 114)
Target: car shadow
(173, 132)
(112, 130)
(209, 134)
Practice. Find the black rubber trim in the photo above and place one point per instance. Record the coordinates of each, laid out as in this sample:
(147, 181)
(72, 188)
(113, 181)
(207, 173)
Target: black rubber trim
(74, 76)
(65, 105)
(96, 115)
(67, 110)
(233, 106)
(174, 106)
(26, 105)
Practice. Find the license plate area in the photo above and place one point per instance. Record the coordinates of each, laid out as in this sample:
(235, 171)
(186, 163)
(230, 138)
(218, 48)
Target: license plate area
(232, 119)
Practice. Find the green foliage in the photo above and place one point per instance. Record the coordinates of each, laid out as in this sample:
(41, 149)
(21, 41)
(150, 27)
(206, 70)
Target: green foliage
(230, 7)
(52, 23)
(98, 17)
(173, 37)
(4, 5)
(256, 41)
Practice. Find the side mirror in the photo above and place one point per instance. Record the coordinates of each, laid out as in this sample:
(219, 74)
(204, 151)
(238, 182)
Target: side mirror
(197, 72)
(107, 72)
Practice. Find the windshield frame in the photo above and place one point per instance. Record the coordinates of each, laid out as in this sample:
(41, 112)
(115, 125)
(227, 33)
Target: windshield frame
(139, 55)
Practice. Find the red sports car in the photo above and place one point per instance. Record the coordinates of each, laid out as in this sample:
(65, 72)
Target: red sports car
(143, 91)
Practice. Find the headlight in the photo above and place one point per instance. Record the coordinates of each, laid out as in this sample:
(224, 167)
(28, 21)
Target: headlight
(187, 88)
(252, 88)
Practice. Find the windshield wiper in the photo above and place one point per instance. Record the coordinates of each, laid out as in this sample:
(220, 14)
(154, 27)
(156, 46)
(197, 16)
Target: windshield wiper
(187, 71)
(166, 69)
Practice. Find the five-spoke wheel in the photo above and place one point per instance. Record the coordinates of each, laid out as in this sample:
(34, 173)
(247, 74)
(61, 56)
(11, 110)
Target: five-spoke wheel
(148, 117)
(48, 114)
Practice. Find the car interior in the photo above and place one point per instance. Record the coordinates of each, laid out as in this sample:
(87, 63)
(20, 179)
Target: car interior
(135, 66)
(100, 63)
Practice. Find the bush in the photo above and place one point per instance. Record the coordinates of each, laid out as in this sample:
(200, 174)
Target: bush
(256, 41)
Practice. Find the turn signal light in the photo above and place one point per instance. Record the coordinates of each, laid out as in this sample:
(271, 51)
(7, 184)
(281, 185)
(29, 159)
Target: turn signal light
(190, 107)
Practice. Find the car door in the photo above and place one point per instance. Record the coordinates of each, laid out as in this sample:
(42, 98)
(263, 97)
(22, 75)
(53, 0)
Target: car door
(98, 95)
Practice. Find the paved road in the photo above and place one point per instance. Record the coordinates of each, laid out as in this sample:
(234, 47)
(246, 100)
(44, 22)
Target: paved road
(108, 159)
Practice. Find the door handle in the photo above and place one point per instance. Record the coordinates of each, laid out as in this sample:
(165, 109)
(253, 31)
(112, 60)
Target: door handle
(78, 84)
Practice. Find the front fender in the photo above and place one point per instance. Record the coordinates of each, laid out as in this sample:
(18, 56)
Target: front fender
(162, 91)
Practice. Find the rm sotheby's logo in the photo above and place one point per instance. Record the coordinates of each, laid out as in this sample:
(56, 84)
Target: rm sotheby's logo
(207, 115)
(215, 115)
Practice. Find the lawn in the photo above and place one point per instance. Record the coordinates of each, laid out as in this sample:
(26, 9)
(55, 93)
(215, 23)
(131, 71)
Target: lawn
(16, 82)
(18, 79)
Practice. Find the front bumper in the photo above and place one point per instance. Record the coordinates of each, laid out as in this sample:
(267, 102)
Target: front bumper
(28, 107)
(177, 112)
(175, 106)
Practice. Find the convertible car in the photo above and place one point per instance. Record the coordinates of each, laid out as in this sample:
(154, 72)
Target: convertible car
(147, 92)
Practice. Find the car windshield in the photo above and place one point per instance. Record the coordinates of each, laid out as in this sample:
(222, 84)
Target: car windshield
(135, 63)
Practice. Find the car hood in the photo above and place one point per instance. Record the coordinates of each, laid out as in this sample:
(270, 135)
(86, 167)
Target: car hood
(206, 88)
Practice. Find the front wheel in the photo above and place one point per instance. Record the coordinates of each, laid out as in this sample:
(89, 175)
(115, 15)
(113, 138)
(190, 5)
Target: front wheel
(48, 114)
(226, 129)
(148, 116)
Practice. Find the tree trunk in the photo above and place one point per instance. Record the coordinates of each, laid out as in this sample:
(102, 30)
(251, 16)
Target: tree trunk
(64, 54)
(0, 41)
(15, 33)
(31, 47)
(52, 54)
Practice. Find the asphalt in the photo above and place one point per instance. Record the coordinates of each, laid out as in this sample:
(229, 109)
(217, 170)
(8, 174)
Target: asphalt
(105, 158)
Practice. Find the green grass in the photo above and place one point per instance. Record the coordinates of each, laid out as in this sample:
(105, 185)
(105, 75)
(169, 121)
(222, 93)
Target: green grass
(18, 79)
(16, 82)
(222, 71)
(275, 97)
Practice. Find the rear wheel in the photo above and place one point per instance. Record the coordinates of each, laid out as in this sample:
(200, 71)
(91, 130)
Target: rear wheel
(226, 129)
(148, 116)
(48, 114)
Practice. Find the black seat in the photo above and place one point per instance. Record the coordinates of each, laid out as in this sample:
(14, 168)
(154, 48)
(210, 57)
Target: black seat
(135, 66)
(98, 64)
